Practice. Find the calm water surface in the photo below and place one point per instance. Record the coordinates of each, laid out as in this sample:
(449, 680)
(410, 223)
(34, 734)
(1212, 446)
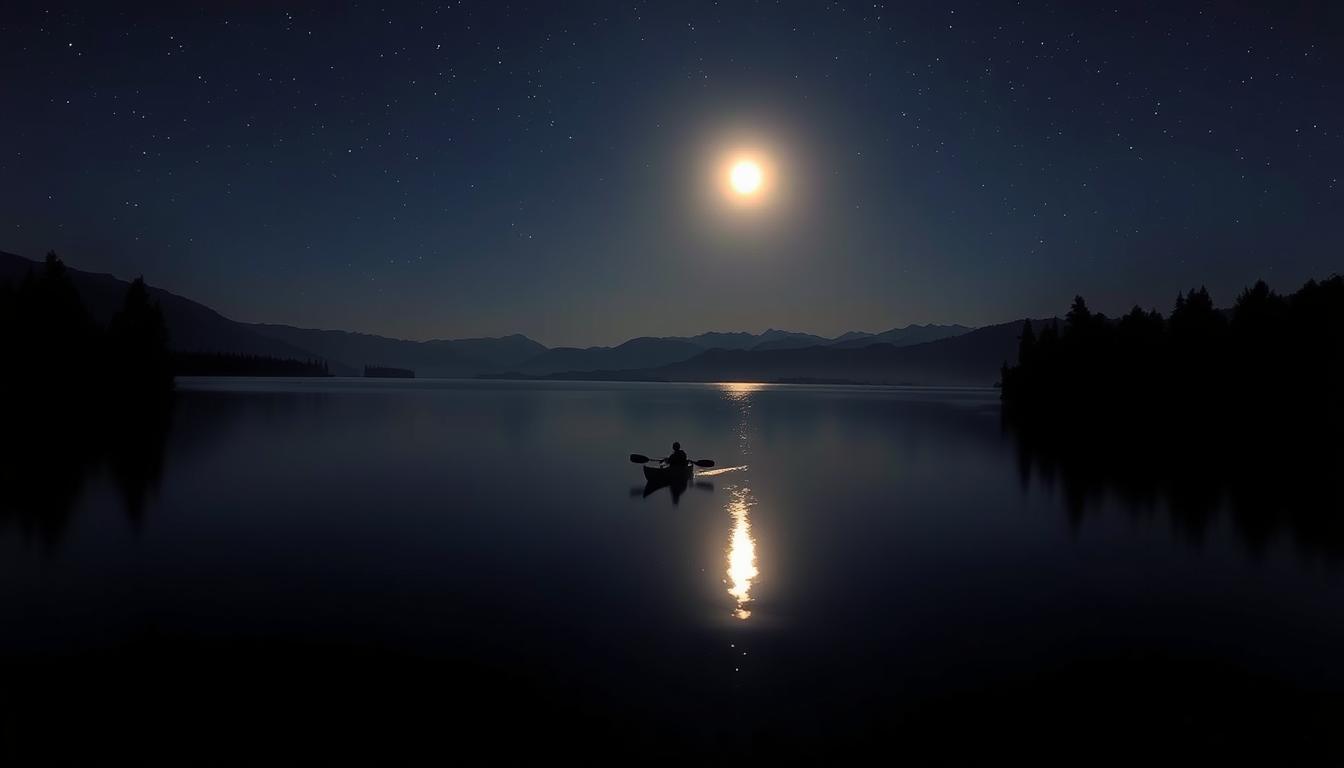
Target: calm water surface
(441, 567)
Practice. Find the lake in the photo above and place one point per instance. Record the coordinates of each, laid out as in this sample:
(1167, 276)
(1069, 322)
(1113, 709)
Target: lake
(374, 567)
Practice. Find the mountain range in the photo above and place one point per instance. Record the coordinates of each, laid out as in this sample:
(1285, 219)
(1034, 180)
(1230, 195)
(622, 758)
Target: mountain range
(194, 326)
(968, 359)
(440, 358)
(921, 354)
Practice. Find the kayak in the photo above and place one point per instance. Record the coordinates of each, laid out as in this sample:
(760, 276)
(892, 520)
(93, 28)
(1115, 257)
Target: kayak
(668, 475)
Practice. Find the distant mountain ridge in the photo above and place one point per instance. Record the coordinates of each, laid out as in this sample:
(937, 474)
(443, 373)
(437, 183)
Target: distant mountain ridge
(653, 352)
(902, 337)
(194, 327)
(439, 358)
(969, 359)
(645, 352)
(851, 336)
(773, 339)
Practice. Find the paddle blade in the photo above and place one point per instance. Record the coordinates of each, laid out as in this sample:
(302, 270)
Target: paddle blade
(706, 463)
(639, 458)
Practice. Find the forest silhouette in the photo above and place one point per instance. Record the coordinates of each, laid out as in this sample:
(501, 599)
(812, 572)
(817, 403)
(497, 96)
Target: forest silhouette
(78, 395)
(1270, 368)
(53, 349)
(1205, 410)
(232, 364)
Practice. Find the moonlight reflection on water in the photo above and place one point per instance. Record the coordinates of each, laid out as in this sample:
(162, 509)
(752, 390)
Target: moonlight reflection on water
(742, 570)
(741, 552)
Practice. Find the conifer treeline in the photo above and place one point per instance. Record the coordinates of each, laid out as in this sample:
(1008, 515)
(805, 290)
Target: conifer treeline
(1273, 365)
(220, 364)
(52, 348)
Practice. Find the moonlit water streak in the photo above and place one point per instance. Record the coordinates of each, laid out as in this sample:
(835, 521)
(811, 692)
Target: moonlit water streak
(741, 552)
(741, 555)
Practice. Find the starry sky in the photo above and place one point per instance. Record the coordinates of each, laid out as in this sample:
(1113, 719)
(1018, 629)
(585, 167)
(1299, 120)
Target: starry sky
(460, 169)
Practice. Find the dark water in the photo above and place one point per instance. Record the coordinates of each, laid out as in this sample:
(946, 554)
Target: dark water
(362, 568)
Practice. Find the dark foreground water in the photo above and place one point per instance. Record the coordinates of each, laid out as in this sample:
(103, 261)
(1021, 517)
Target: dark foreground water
(362, 568)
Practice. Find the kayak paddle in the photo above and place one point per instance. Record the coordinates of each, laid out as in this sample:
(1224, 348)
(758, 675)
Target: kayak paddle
(639, 458)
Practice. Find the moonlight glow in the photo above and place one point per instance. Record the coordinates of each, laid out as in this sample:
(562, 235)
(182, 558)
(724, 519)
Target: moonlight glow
(745, 177)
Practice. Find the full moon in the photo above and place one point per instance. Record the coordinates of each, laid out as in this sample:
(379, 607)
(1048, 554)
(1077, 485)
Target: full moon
(745, 177)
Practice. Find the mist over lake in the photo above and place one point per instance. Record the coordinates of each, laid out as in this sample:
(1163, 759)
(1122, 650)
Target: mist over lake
(387, 567)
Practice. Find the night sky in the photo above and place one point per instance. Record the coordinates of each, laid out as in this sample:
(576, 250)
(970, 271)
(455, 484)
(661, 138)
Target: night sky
(461, 169)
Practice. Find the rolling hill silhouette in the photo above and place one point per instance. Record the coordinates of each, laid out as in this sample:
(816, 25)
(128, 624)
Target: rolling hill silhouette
(720, 340)
(901, 337)
(774, 339)
(969, 359)
(851, 336)
(192, 327)
(646, 352)
(436, 358)
(930, 354)
(654, 352)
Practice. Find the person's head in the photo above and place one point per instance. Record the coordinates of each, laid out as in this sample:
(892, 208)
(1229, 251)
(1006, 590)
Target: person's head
(676, 446)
